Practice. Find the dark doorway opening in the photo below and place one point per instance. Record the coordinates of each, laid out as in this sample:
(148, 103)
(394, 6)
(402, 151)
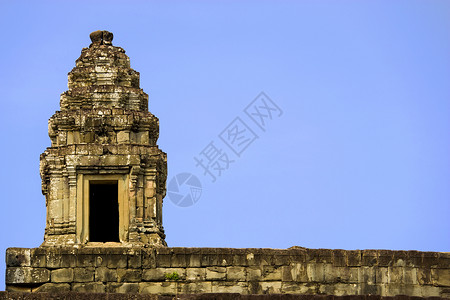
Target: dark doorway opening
(103, 212)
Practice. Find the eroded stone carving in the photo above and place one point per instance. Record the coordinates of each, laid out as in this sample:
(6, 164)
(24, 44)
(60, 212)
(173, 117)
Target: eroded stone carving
(103, 131)
(101, 37)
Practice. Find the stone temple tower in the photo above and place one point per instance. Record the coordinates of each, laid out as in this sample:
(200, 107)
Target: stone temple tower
(104, 182)
(104, 176)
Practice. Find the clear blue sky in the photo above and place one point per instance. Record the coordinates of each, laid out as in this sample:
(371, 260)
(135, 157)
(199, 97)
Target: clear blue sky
(359, 159)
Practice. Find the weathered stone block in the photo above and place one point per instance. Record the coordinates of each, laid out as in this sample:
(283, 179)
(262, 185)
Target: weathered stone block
(83, 274)
(298, 272)
(224, 259)
(396, 275)
(148, 258)
(440, 277)
(129, 275)
(270, 273)
(286, 274)
(68, 260)
(336, 274)
(254, 287)
(337, 289)
(209, 257)
(62, 275)
(410, 275)
(142, 137)
(52, 288)
(134, 259)
(424, 276)
(253, 274)
(116, 261)
(400, 258)
(195, 274)
(254, 259)
(196, 287)
(81, 149)
(316, 272)
(236, 273)
(296, 254)
(385, 258)
(89, 287)
(163, 260)
(381, 275)
(239, 257)
(216, 273)
(53, 258)
(270, 287)
(284, 259)
(354, 275)
(18, 289)
(430, 259)
(153, 275)
(162, 288)
(26, 275)
(229, 287)
(354, 258)
(320, 256)
(38, 258)
(431, 291)
(73, 137)
(83, 260)
(299, 288)
(18, 257)
(124, 288)
(367, 275)
(105, 274)
(414, 258)
(123, 137)
(178, 260)
(194, 260)
(341, 289)
(444, 260)
(119, 112)
(369, 258)
(370, 289)
(339, 258)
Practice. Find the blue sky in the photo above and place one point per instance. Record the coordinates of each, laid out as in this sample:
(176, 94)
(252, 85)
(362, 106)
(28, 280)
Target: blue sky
(359, 158)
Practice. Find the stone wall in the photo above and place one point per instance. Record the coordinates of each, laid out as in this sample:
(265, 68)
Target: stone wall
(209, 296)
(170, 271)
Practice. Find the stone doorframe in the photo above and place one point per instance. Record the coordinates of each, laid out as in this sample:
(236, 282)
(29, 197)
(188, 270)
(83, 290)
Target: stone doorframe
(82, 219)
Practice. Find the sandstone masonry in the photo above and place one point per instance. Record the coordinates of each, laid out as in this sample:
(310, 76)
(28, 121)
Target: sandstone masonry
(103, 138)
(172, 271)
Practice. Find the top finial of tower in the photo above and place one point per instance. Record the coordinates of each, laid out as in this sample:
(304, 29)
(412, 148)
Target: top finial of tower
(101, 37)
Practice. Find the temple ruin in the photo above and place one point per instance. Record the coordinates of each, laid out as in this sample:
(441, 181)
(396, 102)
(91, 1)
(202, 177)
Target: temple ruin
(103, 177)
(104, 180)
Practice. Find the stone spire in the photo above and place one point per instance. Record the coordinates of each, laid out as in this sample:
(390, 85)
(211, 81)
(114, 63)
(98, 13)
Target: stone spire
(103, 162)
(103, 78)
